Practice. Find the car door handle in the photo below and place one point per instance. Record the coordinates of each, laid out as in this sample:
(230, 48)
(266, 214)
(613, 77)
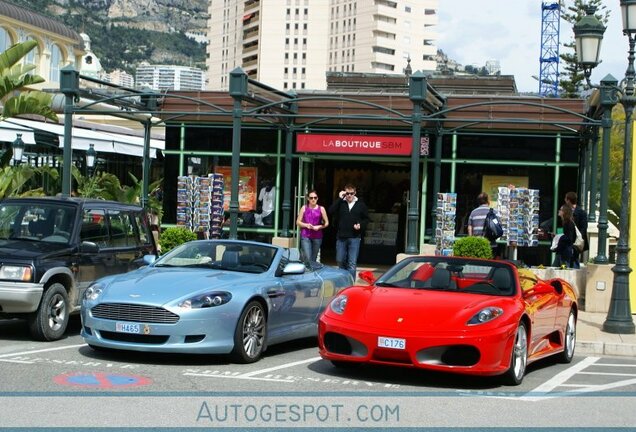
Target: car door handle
(273, 293)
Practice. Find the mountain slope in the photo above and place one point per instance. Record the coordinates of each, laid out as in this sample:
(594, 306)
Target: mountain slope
(126, 32)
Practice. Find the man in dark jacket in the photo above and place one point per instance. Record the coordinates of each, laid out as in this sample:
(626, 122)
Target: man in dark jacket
(352, 216)
(580, 220)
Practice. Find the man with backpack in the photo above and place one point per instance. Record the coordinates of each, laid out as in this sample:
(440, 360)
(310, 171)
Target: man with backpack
(477, 221)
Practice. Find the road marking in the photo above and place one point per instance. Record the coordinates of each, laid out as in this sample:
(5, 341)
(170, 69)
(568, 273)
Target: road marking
(251, 375)
(238, 377)
(283, 366)
(558, 380)
(601, 387)
(608, 373)
(16, 361)
(615, 365)
(42, 350)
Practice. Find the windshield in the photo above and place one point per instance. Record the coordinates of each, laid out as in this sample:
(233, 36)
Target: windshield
(454, 274)
(220, 255)
(38, 222)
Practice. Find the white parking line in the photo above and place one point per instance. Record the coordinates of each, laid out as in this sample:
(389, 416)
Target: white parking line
(16, 361)
(252, 375)
(608, 373)
(41, 350)
(283, 366)
(237, 377)
(559, 379)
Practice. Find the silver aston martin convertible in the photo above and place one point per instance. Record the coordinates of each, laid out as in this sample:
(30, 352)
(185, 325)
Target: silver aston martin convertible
(213, 297)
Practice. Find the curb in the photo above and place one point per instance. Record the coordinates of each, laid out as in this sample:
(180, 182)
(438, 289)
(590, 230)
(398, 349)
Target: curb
(606, 348)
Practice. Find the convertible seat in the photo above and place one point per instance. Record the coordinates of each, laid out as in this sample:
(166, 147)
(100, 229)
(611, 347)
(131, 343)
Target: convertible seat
(441, 279)
(502, 280)
(230, 259)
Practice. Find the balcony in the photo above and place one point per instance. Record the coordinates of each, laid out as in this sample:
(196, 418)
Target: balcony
(248, 36)
(251, 5)
(247, 64)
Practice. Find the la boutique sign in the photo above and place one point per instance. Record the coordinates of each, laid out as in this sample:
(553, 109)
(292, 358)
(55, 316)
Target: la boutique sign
(354, 144)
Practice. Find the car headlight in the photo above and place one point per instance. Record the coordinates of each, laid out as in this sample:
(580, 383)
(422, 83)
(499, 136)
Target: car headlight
(339, 304)
(93, 292)
(212, 299)
(485, 315)
(16, 273)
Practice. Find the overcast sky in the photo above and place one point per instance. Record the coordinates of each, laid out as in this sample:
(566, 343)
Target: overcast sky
(472, 32)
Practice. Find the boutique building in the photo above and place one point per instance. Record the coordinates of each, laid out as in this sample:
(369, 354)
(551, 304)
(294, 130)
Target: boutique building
(401, 140)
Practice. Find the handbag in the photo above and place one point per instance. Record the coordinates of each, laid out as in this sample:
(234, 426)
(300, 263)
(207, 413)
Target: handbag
(579, 243)
(555, 242)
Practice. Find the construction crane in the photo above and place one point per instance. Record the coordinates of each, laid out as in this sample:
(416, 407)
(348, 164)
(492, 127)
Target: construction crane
(549, 61)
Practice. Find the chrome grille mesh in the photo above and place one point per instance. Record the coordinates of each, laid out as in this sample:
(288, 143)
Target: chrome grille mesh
(133, 312)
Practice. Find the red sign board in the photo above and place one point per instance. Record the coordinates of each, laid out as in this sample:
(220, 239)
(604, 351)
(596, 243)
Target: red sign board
(354, 144)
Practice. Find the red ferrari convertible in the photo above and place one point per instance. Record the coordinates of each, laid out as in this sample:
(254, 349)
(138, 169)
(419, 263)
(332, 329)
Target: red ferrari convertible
(462, 315)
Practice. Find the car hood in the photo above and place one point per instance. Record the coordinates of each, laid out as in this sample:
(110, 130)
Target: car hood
(417, 310)
(15, 250)
(158, 286)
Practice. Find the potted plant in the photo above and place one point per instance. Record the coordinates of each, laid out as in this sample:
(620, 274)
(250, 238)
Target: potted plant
(474, 247)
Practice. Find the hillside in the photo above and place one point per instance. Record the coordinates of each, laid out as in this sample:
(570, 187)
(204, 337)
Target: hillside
(127, 32)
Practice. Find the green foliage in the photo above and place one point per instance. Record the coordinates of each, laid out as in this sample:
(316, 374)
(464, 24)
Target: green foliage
(15, 76)
(474, 247)
(14, 179)
(118, 45)
(175, 236)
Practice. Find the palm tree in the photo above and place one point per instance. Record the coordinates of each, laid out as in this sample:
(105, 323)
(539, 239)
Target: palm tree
(15, 77)
(15, 100)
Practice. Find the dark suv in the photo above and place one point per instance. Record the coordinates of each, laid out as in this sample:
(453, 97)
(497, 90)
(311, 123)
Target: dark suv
(51, 249)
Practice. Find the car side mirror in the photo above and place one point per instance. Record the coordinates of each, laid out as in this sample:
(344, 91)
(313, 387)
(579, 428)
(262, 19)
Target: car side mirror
(149, 259)
(367, 276)
(88, 247)
(294, 268)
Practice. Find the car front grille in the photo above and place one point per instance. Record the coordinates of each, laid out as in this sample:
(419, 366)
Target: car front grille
(133, 312)
(134, 338)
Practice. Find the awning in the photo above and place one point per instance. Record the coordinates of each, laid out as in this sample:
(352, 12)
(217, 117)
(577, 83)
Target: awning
(8, 133)
(106, 142)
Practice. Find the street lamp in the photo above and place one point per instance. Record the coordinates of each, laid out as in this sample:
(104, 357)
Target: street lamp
(588, 36)
(18, 149)
(91, 156)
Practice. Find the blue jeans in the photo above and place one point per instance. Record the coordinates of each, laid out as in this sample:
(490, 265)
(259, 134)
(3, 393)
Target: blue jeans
(310, 248)
(347, 250)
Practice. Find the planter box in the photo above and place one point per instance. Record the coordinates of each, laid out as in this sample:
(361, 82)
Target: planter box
(598, 290)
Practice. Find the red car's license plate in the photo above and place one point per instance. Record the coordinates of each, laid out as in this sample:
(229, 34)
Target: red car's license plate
(393, 343)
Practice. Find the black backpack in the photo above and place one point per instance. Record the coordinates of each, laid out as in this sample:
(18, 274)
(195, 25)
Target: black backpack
(492, 228)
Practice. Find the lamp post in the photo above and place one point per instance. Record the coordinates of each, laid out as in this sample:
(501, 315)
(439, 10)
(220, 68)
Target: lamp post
(91, 156)
(18, 150)
(588, 33)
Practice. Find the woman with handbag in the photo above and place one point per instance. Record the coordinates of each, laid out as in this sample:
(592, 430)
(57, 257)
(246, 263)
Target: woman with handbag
(565, 246)
(312, 219)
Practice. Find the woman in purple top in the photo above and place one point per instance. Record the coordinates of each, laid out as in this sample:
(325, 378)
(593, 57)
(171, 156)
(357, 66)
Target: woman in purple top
(312, 219)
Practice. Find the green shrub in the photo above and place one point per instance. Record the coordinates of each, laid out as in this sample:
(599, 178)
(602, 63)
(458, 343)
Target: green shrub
(173, 237)
(473, 247)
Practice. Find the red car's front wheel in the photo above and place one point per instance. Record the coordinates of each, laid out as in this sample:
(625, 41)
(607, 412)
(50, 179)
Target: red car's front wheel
(519, 358)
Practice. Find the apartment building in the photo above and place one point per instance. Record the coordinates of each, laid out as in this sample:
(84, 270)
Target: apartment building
(292, 44)
(169, 77)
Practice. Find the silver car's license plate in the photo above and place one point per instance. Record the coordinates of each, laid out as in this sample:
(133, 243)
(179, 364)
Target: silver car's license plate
(124, 327)
(393, 343)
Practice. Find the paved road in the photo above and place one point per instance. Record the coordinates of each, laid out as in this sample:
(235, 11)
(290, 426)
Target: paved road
(291, 387)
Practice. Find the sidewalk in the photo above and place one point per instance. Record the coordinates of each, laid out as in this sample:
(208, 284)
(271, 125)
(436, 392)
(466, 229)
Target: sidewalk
(590, 339)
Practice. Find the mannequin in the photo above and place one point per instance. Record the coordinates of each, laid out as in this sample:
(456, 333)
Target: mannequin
(267, 199)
